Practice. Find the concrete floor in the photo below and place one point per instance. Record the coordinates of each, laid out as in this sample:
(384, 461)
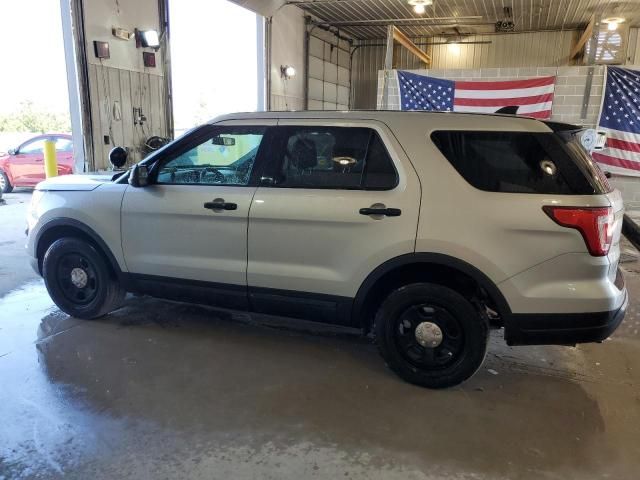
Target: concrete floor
(165, 390)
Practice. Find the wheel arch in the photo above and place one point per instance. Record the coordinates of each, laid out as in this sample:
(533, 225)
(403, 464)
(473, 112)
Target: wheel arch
(67, 227)
(415, 267)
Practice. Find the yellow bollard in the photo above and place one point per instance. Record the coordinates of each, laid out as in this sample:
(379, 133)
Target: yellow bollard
(50, 161)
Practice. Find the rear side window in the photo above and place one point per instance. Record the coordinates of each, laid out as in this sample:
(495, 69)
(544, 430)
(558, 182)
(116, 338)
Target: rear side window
(331, 158)
(513, 162)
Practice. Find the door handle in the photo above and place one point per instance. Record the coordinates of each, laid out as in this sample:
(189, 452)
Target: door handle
(387, 212)
(220, 204)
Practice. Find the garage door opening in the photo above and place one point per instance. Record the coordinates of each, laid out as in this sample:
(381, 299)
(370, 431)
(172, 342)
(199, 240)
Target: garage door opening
(216, 60)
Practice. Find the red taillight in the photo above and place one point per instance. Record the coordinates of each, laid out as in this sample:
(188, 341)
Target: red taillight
(594, 223)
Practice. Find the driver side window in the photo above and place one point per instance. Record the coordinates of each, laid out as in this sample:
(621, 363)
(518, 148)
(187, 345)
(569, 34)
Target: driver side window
(225, 158)
(34, 147)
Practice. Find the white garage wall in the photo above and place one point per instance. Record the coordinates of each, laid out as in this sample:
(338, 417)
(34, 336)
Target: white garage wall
(287, 48)
(328, 66)
(119, 83)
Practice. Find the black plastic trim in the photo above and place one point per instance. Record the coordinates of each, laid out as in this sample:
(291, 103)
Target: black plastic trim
(70, 222)
(286, 303)
(316, 307)
(562, 328)
(193, 291)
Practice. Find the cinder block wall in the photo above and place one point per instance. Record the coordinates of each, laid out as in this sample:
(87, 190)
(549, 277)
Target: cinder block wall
(567, 102)
(569, 91)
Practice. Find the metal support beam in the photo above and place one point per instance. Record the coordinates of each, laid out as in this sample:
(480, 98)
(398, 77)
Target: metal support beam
(586, 35)
(593, 47)
(388, 66)
(403, 40)
(77, 83)
(388, 21)
(163, 11)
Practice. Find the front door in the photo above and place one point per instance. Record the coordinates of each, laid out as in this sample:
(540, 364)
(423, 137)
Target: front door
(335, 202)
(189, 225)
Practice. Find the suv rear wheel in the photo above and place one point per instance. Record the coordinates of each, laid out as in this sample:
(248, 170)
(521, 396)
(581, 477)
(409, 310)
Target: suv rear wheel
(431, 335)
(79, 280)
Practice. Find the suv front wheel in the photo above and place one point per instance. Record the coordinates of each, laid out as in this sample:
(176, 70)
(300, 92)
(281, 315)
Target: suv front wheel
(431, 335)
(79, 280)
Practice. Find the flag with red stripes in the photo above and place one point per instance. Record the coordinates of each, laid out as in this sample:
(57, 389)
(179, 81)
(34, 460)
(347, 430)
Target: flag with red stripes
(620, 118)
(533, 97)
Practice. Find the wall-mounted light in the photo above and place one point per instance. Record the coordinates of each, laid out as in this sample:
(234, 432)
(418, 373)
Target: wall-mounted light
(419, 6)
(147, 38)
(613, 22)
(287, 71)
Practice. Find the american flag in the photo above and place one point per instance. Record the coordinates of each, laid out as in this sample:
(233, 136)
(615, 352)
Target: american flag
(533, 96)
(620, 118)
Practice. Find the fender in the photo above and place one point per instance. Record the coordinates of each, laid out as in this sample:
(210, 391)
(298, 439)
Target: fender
(89, 232)
(429, 258)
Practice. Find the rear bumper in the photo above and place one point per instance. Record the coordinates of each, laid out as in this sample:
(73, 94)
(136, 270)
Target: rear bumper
(563, 328)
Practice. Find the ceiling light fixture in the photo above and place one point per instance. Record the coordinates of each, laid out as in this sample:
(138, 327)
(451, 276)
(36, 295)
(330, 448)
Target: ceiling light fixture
(613, 22)
(419, 6)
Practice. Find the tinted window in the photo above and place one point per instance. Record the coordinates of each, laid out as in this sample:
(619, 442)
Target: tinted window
(516, 162)
(332, 157)
(379, 172)
(226, 157)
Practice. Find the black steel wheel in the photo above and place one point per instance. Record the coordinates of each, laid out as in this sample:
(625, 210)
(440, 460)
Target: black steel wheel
(76, 277)
(431, 335)
(79, 280)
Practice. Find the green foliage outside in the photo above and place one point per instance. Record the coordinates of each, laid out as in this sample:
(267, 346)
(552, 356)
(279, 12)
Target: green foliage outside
(29, 119)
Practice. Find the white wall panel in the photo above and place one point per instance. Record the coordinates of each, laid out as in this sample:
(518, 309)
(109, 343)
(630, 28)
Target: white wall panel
(316, 68)
(316, 89)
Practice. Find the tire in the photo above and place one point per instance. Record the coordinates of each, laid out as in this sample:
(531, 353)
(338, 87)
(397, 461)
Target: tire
(464, 335)
(5, 184)
(79, 279)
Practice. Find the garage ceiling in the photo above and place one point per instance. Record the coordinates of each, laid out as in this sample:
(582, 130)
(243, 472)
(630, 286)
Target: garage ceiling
(469, 16)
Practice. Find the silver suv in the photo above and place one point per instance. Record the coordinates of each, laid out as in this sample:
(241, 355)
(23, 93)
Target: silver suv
(424, 229)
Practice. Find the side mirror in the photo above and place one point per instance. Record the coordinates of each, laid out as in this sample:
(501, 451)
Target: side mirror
(118, 157)
(139, 176)
(13, 151)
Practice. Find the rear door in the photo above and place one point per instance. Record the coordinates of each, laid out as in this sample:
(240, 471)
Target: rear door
(64, 155)
(336, 200)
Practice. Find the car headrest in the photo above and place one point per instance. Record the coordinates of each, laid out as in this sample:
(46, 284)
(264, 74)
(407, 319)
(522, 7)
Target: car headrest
(303, 154)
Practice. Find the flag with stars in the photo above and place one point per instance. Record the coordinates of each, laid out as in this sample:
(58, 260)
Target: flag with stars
(532, 96)
(620, 118)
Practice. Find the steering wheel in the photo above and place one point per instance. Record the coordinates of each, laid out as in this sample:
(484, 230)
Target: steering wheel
(218, 177)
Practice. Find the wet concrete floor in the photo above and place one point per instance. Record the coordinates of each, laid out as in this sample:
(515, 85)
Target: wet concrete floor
(167, 390)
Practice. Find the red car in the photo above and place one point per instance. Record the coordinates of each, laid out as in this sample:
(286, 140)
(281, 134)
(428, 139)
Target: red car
(24, 166)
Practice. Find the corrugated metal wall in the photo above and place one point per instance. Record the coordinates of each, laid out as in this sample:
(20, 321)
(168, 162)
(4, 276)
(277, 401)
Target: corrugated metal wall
(519, 50)
(539, 49)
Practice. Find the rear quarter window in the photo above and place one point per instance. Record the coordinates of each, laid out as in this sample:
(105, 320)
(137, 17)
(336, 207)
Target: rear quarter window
(513, 162)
